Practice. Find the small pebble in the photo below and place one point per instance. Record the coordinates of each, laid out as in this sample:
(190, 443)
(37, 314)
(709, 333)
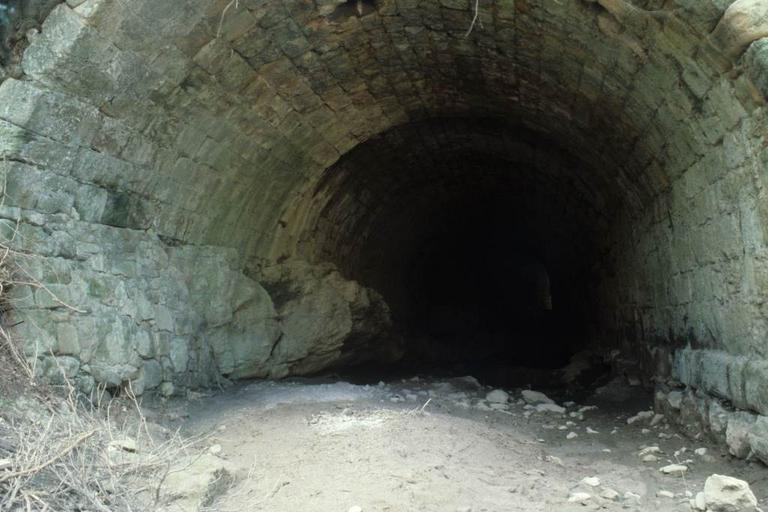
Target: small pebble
(356, 508)
(215, 449)
(572, 435)
(665, 494)
(579, 497)
(591, 481)
(673, 469)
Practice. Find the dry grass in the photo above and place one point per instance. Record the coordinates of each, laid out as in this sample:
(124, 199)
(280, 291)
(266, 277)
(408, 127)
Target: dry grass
(83, 455)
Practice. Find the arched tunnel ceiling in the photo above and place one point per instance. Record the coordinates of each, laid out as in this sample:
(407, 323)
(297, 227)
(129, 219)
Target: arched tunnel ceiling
(387, 193)
(238, 107)
(146, 143)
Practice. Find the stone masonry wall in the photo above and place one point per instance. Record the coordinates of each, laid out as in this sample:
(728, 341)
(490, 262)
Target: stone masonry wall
(146, 145)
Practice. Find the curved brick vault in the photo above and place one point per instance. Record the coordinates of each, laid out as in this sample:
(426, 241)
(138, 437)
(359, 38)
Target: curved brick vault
(245, 188)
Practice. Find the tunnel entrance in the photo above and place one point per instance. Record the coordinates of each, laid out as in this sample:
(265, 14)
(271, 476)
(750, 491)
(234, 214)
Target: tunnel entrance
(483, 237)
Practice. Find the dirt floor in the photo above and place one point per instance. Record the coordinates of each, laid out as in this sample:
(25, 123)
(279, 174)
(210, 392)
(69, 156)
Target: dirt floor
(440, 445)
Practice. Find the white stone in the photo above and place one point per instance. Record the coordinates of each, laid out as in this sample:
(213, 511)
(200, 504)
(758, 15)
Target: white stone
(728, 494)
(572, 435)
(579, 497)
(497, 396)
(649, 450)
(674, 469)
(650, 458)
(700, 451)
(591, 481)
(356, 508)
(126, 444)
(610, 494)
(641, 416)
(215, 449)
(665, 494)
(536, 397)
(675, 399)
(592, 431)
(699, 502)
(554, 408)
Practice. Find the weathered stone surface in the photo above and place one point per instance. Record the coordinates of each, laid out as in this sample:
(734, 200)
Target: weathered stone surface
(325, 319)
(728, 494)
(737, 433)
(194, 482)
(757, 437)
(154, 150)
(744, 21)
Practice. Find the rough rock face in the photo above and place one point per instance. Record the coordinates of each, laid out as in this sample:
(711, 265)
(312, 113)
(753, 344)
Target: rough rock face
(162, 316)
(325, 320)
(744, 22)
(728, 494)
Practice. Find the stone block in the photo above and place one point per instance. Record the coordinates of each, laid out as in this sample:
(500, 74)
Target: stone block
(737, 433)
(756, 62)
(756, 385)
(758, 438)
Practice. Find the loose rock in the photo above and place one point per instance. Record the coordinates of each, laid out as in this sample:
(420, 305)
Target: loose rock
(728, 494)
(641, 416)
(554, 408)
(497, 396)
(127, 445)
(674, 469)
(579, 497)
(536, 397)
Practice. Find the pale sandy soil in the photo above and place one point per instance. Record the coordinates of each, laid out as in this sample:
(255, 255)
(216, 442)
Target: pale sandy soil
(435, 446)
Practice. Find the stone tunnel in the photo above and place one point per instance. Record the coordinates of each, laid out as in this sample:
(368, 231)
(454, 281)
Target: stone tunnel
(206, 189)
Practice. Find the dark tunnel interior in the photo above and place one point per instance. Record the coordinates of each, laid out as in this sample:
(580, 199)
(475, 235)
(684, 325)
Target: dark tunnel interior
(482, 237)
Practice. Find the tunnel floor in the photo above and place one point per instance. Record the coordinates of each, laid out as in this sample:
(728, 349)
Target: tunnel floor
(443, 444)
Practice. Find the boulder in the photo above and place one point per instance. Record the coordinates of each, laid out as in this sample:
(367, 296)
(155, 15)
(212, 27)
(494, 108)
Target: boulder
(744, 22)
(326, 320)
(728, 494)
(194, 482)
(737, 433)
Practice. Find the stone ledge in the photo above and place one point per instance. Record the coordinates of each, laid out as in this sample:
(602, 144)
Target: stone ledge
(737, 379)
(744, 433)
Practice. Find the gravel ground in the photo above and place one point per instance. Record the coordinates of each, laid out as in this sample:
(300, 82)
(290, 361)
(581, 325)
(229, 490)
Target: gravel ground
(424, 444)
